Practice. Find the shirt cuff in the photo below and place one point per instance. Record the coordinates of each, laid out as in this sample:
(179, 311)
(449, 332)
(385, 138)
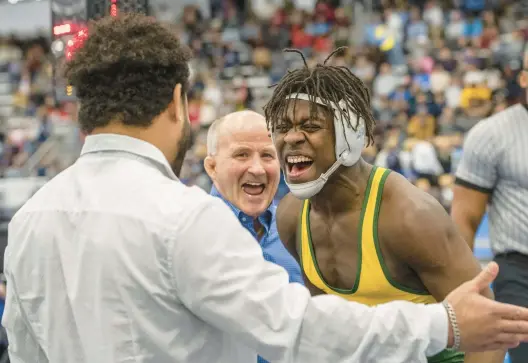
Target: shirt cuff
(439, 329)
(465, 183)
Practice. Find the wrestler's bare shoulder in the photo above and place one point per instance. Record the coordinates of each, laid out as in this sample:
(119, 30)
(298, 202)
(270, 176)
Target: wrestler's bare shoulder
(407, 209)
(420, 241)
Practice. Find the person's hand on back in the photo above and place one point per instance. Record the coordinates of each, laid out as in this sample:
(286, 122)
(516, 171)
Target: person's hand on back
(485, 324)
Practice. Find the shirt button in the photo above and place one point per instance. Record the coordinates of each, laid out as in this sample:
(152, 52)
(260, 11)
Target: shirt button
(243, 219)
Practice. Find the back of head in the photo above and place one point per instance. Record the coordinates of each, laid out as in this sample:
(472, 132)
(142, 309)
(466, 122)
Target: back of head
(126, 71)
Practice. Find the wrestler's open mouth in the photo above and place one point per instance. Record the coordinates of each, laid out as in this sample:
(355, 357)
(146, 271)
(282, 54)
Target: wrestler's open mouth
(298, 164)
(253, 188)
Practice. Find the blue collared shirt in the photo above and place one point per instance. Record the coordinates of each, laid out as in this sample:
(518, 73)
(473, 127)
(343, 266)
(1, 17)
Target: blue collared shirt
(272, 247)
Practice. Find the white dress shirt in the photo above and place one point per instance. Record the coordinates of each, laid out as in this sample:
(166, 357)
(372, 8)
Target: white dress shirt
(115, 260)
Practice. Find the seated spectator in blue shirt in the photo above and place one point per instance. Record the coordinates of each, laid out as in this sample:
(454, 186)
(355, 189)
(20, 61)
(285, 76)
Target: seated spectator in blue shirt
(473, 27)
(243, 165)
(474, 6)
(416, 27)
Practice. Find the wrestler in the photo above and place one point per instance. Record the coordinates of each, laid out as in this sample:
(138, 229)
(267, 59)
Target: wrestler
(360, 232)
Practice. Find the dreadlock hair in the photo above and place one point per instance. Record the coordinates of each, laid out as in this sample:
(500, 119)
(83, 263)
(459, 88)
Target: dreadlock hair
(332, 84)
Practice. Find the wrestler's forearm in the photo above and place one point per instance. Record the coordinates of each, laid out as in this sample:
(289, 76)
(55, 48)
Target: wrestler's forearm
(486, 357)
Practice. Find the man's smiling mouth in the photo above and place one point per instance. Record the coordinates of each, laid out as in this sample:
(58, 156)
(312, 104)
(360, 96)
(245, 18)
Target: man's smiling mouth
(254, 189)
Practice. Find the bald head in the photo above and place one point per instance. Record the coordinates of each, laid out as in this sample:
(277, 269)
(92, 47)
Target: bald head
(231, 123)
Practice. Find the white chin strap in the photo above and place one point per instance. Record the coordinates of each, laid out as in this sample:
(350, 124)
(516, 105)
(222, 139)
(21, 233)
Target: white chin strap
(311, 188)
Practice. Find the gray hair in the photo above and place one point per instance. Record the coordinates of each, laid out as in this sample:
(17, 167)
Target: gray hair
(212, 136)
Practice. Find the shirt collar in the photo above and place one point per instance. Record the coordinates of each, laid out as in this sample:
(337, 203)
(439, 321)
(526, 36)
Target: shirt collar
(127, 144)
(265, 218)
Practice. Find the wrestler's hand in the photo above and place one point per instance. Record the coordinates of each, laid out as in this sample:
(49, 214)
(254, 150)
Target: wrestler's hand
(485, 324)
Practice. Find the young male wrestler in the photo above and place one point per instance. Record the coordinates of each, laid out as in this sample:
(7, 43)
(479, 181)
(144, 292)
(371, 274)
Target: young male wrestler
(358, 231)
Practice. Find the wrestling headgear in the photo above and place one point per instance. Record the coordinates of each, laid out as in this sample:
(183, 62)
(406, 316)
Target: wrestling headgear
(348, 146)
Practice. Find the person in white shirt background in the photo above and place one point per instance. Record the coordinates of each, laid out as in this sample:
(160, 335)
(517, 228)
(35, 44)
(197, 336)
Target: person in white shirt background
(116, 260)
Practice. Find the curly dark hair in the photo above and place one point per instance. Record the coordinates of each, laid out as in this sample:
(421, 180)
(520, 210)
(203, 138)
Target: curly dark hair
(331, 83)
(127, 70)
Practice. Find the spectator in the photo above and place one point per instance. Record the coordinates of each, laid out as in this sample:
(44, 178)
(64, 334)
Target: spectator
(417, 29)
(364, 69)
(389, 156)
(425, 163)
(455, 28)
(434, 17)
(395, 23)
(386, 82)
(447, 122)
(342, 33)
(440, 79)
(421, 125)
(475, 99)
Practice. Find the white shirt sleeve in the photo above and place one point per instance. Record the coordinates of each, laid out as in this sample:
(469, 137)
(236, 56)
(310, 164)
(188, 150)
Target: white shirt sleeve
(221, 276)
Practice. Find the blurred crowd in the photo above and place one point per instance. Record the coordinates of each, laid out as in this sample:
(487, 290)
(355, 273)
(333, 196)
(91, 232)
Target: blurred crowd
(435, 68)
(28, 109)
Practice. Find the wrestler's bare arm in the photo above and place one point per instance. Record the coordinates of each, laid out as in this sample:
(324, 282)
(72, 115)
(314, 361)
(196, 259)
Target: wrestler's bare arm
(427, 240)
(287, 218)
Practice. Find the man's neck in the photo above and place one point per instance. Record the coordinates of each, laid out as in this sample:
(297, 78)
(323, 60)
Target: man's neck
(148, 134)
(344, 190)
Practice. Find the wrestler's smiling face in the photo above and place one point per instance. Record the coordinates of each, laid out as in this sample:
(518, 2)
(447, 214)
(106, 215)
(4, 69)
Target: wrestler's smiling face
(245, 168)
(305, 142)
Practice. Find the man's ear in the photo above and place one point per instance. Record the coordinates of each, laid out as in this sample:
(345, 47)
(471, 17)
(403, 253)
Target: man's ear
(210, 167)
(523, 79)
(177, 102)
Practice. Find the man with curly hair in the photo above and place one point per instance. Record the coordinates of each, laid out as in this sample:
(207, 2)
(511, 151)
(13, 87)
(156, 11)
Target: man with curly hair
(115, 260)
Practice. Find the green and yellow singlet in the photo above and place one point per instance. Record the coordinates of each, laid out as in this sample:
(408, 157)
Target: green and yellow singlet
(373, 284)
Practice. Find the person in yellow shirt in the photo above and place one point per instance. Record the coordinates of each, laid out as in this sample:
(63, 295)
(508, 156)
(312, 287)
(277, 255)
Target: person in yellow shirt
(422, 125)
(474, 93)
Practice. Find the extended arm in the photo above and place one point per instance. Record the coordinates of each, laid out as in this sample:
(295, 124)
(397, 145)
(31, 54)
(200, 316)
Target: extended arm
(439, 255)
(221, 276)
